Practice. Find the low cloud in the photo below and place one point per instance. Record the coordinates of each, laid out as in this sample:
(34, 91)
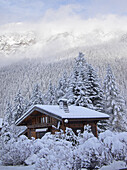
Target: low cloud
(71, 18)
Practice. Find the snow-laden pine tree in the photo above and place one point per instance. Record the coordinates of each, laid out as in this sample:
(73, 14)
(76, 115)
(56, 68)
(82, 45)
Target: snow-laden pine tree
(77, 91)
(94, 90)
(7, 122)
(18, 106)
(36, 97)
(51, 95)
(84, 87)
(114, 103)
(62, 86)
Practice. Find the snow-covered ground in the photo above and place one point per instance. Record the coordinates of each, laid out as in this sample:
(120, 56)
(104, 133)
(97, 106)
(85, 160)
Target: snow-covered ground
(21, 167)
(17, 167)
(114, 166)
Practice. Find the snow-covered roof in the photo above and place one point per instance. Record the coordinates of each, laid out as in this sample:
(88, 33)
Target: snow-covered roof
(75, 112)
(1, 120)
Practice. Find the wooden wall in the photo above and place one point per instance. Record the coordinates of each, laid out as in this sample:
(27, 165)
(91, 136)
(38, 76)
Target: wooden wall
(79, 125)
(38, 120)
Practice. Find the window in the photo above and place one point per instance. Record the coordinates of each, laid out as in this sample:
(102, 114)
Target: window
(40, 120)
(46, 119)
(43, 120)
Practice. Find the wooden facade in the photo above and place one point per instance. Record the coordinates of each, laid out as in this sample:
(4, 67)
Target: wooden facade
(39, 122)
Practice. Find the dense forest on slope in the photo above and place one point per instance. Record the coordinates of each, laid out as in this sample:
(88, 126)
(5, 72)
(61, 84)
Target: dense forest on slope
(25, 74)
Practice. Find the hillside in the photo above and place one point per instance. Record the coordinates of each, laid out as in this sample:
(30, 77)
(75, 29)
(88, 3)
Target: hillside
(15, 46)
(38, 60)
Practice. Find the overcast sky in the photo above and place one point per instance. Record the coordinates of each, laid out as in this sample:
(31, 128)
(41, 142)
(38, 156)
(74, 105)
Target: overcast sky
(50, 17)
(35, 10)
(56, 16)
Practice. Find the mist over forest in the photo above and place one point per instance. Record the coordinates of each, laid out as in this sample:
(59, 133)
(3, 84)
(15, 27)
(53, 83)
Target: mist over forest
(24, 74)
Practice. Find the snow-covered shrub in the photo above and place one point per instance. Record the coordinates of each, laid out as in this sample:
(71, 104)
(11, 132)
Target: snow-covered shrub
(105, 134)
(82, 137)
(122, 137)
(55, 154)
(116, 143)
(16, 152)
(92, 154)
(66, 151)
(70, 136)
(31, 159)
(38, 145)
(60, 135)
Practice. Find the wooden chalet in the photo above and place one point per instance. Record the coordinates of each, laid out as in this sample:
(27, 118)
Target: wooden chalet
(51, 118)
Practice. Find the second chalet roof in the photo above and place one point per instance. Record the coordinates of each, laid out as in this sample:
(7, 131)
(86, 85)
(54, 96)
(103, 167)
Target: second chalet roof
(77, 112)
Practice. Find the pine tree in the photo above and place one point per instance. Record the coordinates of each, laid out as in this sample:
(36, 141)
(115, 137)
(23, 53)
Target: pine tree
(7, 123)
(77, 92)
(18, 106)
(114, 103)
(9, 137)
(36, 97)
(94, 90)
(51, 95)
(62, 86)
(84, 88)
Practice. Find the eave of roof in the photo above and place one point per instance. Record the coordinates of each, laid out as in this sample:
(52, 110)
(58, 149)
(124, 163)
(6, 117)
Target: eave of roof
(31, 110)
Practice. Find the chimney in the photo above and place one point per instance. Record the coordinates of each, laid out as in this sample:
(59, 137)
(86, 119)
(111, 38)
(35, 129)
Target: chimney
(64, 105)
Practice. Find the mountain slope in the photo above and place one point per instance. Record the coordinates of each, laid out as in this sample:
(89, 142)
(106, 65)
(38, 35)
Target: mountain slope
(15, 46)
(39, 60)
(24, 74)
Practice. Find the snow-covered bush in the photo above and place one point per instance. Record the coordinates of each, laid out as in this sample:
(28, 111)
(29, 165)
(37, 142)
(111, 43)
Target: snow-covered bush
(66, 151)
(38, 145)
(116, 143)
(82, 137)
(31, 159)
(16, 152)
(55, 154)
(70, 136)
(92, 154)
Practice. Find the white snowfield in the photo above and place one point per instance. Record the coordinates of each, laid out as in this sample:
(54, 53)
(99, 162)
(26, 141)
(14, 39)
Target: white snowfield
(1, 120)
(74, 112)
